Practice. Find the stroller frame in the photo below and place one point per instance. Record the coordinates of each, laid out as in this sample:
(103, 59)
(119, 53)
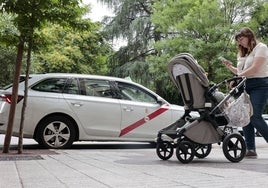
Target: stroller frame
(194, 136)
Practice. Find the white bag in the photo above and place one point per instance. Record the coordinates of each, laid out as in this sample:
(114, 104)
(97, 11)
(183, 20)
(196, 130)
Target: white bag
(240, 110)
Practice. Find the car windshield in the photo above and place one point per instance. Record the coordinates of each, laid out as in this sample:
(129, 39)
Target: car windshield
(133, 93)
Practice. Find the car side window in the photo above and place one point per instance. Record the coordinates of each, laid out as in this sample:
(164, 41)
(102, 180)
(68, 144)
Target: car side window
(72, 87)
(54, 85)
(97, 88)
(131, 92)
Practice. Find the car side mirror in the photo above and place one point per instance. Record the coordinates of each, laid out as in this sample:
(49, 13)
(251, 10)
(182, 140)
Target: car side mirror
(160, 101)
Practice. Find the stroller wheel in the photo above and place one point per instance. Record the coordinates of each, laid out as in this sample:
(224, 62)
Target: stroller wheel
(202, 150)
(228, 130)
(234, 147)
(185, 152)
(164, 150)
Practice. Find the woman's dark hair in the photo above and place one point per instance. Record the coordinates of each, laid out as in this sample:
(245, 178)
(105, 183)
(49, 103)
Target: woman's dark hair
(252, 41)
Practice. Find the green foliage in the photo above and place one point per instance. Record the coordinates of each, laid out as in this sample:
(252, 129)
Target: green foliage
(259, 21)
(68, 50)
(7, 62)
(7, 54)
(131, 23)
(8, 32)
(33, 14)
(162, 82)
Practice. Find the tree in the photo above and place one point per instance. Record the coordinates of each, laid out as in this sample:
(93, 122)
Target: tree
(259, 21)
(7, 53)
(132, 24)
(67, 50)
(7, 62)
(29, 16)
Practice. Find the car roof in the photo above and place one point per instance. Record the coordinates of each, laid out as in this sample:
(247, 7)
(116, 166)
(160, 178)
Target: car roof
(33, 78)
(47, 75)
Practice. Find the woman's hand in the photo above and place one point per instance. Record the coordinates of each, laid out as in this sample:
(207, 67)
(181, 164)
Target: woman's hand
(231, 84)
(228, 64)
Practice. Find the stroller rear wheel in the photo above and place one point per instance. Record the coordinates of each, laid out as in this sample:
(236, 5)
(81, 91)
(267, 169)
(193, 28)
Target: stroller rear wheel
(234, 147)
(185, 152)
(164, 150)
(202, 150)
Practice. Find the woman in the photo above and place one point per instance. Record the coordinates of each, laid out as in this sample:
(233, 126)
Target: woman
(253, 64)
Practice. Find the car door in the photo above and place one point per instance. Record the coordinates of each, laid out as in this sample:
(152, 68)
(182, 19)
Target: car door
(142, 114)
(92, 102)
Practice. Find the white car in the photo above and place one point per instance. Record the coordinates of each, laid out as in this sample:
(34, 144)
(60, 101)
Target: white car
(63, 108)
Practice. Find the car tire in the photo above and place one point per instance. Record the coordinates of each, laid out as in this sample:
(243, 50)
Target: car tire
(56, 132)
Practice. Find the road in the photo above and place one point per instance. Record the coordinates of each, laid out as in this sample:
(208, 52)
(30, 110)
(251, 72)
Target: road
(127, 165)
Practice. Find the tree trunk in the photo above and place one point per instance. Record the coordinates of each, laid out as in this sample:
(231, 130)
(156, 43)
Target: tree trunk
(24, 105)
(14, 97)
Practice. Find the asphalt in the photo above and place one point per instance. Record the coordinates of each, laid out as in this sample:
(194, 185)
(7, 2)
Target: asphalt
(126, 165)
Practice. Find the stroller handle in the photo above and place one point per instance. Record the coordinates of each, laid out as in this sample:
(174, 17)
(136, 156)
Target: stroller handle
(233, 91)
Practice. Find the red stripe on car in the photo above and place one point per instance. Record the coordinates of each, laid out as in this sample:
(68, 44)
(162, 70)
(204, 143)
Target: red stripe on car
(144, 120)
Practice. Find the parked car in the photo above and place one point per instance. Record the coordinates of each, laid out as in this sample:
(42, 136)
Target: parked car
(63, 108)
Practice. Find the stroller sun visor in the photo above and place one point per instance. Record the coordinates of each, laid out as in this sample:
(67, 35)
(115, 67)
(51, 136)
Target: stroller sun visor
(179, 70)
(190, 78)
(185, 64)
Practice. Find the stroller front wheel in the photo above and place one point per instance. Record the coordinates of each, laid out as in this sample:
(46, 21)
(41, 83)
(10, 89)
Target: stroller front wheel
(164, 150)
(202, 150)
(185, 152)
(234, 147)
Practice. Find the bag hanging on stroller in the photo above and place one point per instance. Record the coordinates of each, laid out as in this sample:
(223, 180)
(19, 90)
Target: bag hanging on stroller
(240, 110)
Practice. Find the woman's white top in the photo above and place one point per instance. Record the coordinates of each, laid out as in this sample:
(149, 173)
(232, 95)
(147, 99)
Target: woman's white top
(260, 50)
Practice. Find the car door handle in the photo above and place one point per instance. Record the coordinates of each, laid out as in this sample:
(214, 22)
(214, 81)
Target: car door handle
(76, 104)
(127, 109)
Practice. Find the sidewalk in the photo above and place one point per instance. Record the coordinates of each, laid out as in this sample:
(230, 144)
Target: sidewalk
(130, 168)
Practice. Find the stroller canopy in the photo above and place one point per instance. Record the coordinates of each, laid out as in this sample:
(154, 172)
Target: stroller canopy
(190, 78)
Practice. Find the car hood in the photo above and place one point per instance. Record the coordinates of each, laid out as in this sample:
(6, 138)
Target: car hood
(176, 107)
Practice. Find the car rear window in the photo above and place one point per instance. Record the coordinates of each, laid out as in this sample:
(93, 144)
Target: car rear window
(55, 85)
(22, 79)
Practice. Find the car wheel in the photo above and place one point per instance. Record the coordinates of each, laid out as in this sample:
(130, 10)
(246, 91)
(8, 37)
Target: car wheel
(56, 132)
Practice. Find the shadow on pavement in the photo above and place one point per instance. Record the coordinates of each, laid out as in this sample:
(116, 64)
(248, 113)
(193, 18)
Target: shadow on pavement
(111, 145)
(91, 145)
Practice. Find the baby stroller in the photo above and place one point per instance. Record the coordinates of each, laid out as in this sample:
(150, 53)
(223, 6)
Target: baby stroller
(194, 136)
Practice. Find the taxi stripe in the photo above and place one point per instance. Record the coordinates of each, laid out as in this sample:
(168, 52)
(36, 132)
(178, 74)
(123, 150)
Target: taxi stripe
(143, 120)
